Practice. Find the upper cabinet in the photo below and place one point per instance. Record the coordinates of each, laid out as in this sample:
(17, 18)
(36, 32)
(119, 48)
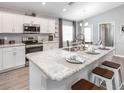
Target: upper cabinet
(1, 23)
(12, 23)
(47, 25)
(18, 23)
(51, 25)
(31, 20)
(44, 26)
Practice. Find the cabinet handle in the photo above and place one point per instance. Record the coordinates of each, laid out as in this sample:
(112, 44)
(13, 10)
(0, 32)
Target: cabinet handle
(14, 53)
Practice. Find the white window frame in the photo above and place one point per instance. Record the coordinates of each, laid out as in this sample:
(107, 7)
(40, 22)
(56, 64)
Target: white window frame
(90, 26)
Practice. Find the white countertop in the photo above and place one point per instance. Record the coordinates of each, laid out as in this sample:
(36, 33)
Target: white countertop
(54, 65)
(12, 45)
(47, 42)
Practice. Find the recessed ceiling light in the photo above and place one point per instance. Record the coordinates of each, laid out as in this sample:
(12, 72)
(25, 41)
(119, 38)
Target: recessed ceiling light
(64, 9)
(43, 3)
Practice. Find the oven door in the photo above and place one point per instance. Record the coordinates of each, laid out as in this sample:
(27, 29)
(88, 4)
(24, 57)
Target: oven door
(34, 49)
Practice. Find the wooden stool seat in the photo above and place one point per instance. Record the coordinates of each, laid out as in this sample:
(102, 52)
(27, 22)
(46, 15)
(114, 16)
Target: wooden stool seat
(103, 72)
(85, 85)
(111, 64)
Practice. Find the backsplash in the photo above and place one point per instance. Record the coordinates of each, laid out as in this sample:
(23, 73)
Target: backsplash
(18, 37)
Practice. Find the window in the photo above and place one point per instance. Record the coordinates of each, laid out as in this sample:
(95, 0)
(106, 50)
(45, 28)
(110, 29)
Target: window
(67, 31)
(88, 34)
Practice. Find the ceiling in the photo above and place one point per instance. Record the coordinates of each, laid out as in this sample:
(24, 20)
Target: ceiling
(75, 11)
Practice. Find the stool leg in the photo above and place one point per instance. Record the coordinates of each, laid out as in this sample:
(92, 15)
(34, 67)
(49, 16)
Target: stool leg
(109, 85)
(117, 84)
(120, 78)
(93, 78)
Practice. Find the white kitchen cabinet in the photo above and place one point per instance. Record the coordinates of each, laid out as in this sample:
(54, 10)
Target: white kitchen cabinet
(12, 23)
(13, 57)
(7, 23)
(44, 25)
(31, 20)
(49, 46)
(18, 23)
(28, 20)
(1, 58)
(20, 55)
(51, 25)
(47, 25)
(9, 55)
(1, 22)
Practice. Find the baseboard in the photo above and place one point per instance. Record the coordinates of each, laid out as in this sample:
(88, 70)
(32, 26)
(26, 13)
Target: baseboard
(119, 56)
(10, 69)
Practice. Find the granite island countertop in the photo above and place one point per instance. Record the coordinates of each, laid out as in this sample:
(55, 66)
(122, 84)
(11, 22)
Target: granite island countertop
(54, 65)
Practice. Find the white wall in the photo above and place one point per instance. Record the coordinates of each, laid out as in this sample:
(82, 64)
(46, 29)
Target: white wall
(115, 15)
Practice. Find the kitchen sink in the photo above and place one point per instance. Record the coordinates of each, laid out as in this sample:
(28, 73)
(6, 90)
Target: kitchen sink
(104, 48)
(71, 49)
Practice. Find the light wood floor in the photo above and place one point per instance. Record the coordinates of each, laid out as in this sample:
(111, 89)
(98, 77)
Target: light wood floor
(16, 79)
(19, 79)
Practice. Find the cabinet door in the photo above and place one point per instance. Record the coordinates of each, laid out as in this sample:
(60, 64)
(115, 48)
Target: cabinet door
(45, 47)
(20, 55)
(1, 22)
(51, 25)
(7, 22)
(36, 20)
(1, 58)
(18, 23)
(9, 55)
(44, 26)
(28, 20)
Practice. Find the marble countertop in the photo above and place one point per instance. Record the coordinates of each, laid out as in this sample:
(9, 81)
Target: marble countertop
(54, 65)
(12, 45)
(47, 42)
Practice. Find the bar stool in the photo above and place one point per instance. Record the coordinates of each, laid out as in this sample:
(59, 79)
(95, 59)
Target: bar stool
(116, 68)
(103, 75)
(85, 85)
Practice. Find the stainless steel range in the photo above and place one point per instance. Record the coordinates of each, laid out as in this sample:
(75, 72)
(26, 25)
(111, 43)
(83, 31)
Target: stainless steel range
(32, 45)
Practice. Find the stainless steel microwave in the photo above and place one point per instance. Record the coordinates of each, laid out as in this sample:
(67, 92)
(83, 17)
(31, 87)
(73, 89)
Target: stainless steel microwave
(31, 28)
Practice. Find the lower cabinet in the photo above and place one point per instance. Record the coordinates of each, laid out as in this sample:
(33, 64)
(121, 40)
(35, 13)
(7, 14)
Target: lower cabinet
(13, 57)
(1, 58)
(20, 55)
(49, 46)
(9, 55)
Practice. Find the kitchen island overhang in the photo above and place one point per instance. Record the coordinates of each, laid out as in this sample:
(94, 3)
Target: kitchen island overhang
(50, 70)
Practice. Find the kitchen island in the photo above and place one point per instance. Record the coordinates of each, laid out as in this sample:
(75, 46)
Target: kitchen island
(50, 71)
